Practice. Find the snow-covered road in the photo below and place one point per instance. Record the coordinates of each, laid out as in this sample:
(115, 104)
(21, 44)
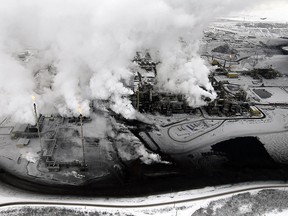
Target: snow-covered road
(186, 201)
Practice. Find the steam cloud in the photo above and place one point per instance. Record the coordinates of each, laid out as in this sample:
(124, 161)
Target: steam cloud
(91, 44)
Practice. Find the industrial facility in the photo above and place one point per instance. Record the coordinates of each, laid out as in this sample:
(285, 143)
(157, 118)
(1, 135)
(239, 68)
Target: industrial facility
(146, 97)
(231, 98)
(52, 136)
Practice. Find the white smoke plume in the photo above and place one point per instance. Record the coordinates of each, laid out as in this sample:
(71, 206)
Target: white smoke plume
(91, 44)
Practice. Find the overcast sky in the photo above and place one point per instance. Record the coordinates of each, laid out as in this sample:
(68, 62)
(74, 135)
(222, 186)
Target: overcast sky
(273, 10)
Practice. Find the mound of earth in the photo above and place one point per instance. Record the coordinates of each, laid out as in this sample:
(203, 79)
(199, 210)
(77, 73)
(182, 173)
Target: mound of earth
(226, 49)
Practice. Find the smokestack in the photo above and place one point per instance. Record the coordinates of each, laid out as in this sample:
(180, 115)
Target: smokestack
(81, 135)
(138, 97)
(82, 138)
(36, 119)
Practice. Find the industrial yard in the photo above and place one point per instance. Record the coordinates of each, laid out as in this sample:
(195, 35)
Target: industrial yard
(105, 148)
(251, 89)
(147, 107)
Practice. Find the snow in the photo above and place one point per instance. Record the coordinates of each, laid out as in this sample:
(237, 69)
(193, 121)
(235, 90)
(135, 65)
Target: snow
(272, 131)
(278, 62)
(184, 203)
(279, 95)
(276, 146)
(276, 213)
(275, 122)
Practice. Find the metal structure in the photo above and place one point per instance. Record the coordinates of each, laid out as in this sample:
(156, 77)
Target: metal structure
(82, 138)
(37, 120)
(147, 98)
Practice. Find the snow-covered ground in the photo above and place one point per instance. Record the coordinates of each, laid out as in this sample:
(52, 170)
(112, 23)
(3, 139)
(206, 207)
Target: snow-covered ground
(177, 139)
(272, 131)
(191, 202)
(278, 62)
(260, 41)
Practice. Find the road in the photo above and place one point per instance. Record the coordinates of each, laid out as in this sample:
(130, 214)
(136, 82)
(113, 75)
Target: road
(130, 203)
